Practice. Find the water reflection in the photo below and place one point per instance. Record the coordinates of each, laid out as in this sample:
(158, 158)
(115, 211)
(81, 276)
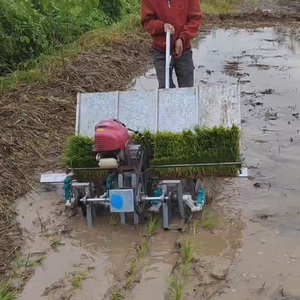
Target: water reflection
(216, 50)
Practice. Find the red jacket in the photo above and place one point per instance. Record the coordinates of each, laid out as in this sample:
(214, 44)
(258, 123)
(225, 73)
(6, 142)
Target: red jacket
(184, 15)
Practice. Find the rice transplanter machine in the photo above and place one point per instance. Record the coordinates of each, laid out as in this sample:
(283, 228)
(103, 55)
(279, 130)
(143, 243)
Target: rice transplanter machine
(131, 184)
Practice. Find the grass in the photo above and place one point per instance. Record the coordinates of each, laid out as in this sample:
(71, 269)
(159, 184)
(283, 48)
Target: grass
(6, 292)
(129, 25)
(176, 287)
(41, 72)
(216, 7)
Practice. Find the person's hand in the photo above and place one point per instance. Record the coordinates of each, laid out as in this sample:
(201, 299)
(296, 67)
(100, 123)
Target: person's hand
(178, 47)
(170, 27)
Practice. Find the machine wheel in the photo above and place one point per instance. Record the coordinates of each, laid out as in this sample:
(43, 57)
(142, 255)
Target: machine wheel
(140, 206)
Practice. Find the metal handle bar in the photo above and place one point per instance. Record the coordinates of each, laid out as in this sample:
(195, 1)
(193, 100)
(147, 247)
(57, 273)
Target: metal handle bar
(168, 59)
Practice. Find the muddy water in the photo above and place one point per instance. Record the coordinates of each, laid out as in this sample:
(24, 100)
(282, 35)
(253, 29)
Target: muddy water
(266, 64)
(41, 217)
(162, 257)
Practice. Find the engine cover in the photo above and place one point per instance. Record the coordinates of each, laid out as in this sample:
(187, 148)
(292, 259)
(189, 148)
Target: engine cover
(110, 136)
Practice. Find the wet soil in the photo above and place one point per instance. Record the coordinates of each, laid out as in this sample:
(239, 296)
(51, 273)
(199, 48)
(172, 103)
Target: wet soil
(252, 251)
(288, 6)
(265, 63)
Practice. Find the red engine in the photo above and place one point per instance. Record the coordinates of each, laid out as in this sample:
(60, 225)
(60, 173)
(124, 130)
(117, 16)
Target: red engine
(110, 136)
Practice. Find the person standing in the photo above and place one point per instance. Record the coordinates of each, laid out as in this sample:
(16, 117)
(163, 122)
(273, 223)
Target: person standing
(183, 19)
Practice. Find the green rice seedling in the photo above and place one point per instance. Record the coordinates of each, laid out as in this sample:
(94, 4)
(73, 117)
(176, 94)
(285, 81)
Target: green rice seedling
(21, 265)
(114, 220)
(77, 280)
(79, 277)
(201, 145)
(195, 225)
(129, 281)
(79, 153)
(6, 292)
(132, 267)
(152, 225)
(185, 269)
(209, 219)
(143, 247)
(187, 253)
(55, 242)
(176, 287)
(116, 295)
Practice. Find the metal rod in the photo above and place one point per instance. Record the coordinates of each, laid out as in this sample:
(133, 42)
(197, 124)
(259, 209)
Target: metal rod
(89, 216)
(97, 200)
(155, 198)
(136, 218)
(166, 216)
(175, 166)
(198, 165)
(168, 56)
(86, 169)
(77, 126)
(123, 218)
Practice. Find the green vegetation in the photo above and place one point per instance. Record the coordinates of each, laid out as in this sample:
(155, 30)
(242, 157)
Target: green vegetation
(55, 242)
(176, 287)
(132, 267)
(216, 7)
(29, 28)
(187, 253)
(36, 68)
(22, 269)
(36, 35)
(209, 219)
(114, 220)
(79, 153)
(195, 226)
(79, 277)
(199, 146)
(6, 292)
(152, 225)
(116, 295)
(143, 247)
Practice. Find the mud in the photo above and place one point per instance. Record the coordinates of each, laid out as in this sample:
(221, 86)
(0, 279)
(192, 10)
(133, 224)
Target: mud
(252, 251)
(288, 6)
(96, 256)
(265, 63)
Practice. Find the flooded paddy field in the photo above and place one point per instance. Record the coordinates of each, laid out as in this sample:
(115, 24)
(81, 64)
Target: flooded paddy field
(246, 246)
